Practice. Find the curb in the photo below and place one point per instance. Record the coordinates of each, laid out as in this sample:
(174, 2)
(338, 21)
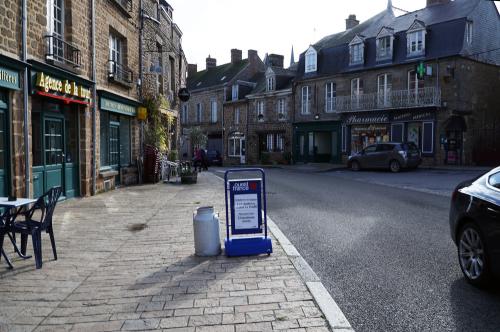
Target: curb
(333, 314)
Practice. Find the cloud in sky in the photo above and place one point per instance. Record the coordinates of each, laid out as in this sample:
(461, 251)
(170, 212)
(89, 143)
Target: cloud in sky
(214, 27)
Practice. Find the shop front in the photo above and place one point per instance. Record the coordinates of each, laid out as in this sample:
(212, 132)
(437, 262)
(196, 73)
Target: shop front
(416, 127)
(317, 142)
(363, 129)
(9, 85)
(58, 101)
(117, 119)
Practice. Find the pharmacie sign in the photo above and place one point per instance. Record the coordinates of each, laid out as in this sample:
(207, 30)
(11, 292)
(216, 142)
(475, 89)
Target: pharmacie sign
(67, 88)
(245, 196)
(367, 118)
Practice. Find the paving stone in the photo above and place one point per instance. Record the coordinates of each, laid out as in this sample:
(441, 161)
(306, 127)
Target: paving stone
(98, 326)
(285, 324)
(141, 324)
(170, 322)
(257, 299)
(254, 327)
(220, 328)
(233, 318)
(311, 322)
(188, 312)
(232, 301)
(205, 320)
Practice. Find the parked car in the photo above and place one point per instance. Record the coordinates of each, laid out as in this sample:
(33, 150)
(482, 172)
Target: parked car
(391, 155)
(214, 158)
(475, 227)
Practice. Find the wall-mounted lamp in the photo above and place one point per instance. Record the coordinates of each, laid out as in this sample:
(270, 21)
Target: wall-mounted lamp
(316, 116)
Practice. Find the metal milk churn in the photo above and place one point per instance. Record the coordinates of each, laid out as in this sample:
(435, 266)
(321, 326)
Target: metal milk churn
(206, 232)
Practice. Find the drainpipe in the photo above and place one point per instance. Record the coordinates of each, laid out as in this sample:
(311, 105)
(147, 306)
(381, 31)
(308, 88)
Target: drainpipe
(27, 176)
(94, 103)
(141, 128)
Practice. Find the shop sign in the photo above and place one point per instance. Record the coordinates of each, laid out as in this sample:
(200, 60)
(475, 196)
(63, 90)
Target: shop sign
(51, 84)
(142, 113)
(117, 107)
(9, 79)
(369, 128)
(367, 119)
(413, 116)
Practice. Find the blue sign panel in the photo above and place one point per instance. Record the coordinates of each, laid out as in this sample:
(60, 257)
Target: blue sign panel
(245, 196)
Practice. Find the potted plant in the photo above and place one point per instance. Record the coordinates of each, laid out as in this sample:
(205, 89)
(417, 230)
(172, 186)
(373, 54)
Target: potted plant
(189, 175)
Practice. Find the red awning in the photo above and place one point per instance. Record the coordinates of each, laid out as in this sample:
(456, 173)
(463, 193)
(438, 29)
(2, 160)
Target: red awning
(65, 99)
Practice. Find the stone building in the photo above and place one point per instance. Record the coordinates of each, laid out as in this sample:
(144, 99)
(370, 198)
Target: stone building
(72, 121)
(212, 91)
(164, 65)
(430, 77)
(270, 114)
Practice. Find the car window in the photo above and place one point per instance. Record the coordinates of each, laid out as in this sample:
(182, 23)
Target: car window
(370, 149)
(494, 180)
(409, 147)
(385, 147)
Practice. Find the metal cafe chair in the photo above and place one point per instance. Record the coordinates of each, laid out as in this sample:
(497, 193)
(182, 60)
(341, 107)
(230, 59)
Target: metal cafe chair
(44, 207)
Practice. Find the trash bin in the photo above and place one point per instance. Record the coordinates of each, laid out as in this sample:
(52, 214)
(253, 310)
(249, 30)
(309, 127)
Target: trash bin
(206, 232)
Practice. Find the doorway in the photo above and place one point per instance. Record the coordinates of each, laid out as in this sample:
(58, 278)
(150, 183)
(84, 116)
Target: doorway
(4, 146)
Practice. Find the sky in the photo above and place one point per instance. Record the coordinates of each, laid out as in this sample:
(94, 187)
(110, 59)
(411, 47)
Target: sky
(214, 27)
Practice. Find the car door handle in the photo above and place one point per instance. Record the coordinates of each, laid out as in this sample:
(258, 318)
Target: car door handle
(493, 210)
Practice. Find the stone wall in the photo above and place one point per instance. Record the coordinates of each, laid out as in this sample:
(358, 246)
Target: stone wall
(10, 27)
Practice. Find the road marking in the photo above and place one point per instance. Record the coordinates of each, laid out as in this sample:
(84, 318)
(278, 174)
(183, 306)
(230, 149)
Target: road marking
(333, 314)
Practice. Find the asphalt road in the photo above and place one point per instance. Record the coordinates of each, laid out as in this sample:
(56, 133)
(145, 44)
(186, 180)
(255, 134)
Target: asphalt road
(384, 253)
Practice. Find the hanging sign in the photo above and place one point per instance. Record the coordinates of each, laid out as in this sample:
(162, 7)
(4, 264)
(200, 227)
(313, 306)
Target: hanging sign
(245, 197)
(184, 94)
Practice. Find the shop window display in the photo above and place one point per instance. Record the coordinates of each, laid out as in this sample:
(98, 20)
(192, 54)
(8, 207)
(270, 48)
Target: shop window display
(362, 136)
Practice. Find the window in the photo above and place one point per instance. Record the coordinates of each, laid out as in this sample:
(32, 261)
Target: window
(236, 145)
(356, 53)
(356, 92)
(344, 138)
(330, 97)
(184, 116)
(494, 180)
(370, 149)
(397, 132)
(114, 140)
(428, 137)
(281, 109)
(159, 70)
(260, 110)
(279, 142)
(311, 59)
(468, 32)
(213, 111)
(416, 42)
(269, 142)
(415, 87)
(237, 116)
(270, 83)
(199, 110)
(57, 28)
(115, 49)
(172, 74)
(235, 92)
(384, 84)
(306, 98)
(384, 47)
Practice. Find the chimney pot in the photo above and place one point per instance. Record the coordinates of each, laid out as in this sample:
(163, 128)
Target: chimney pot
(211, 62)
(351, 22)
(252, 55)
(236, 55)
(275, 60)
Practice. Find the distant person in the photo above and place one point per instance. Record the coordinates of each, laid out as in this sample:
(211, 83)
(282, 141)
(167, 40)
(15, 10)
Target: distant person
(204, 160)
(197, 159)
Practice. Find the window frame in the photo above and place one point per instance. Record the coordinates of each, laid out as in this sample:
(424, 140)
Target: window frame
(235, 138)
(311, 60)
(381, 45)
(330, 101)
(234, 92)
(431, 151)
(237, 116)
(260, 110)
(213, 111)
(281, 108)
(270, 83)
(305, 100)
(269, 142)
(356, 53)
(355, 94)
(413, 40)
(185, 114)
(199, 112)
(387, 89)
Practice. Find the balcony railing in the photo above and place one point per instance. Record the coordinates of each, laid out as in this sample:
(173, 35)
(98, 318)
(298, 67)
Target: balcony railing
(124, 5)
(425, 97)
(62, 52)
(120, 73)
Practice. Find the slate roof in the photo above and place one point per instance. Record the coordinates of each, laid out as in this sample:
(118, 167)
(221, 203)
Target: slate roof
(284, 78)
(444, 23)
(215, 76)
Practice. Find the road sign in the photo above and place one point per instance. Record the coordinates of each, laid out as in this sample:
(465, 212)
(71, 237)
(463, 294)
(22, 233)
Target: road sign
(246, 215)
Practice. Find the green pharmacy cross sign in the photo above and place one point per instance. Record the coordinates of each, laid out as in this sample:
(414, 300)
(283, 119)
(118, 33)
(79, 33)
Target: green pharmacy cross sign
(420, 71)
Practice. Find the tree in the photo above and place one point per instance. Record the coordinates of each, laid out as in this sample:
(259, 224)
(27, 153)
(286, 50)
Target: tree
(198, 137)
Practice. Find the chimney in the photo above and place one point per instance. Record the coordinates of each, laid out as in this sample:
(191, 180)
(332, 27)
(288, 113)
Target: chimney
(253, 56)
(275, 60)
(192, 69)
(436, 2)
(211, 62)
(236, 55)
(351, 22)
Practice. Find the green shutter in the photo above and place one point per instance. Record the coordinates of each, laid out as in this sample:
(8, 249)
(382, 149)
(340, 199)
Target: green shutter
(104, 139)
(124, 141)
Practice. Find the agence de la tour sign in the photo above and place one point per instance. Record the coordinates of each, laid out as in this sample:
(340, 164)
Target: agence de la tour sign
(66, 87)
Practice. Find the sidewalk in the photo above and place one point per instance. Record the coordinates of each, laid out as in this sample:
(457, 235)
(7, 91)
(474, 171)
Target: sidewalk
(126, 263)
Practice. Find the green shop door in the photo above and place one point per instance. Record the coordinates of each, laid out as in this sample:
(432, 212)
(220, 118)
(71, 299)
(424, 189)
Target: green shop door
(53, 152)
(4, 151)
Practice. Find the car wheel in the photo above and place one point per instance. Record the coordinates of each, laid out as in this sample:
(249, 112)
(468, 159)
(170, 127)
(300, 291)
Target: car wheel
(472, 255)
(355, 166)
(394, 166)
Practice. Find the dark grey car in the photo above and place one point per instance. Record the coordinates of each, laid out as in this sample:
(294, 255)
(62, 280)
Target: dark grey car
(391, 155)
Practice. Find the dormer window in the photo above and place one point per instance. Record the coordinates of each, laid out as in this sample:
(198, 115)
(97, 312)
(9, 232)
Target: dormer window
(311, 60)
(415, 39)
(234, 95)
(270, 83)
(384, 43)
(356, 51)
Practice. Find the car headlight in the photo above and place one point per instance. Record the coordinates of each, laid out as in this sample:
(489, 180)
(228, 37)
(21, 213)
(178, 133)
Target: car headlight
(402, 153)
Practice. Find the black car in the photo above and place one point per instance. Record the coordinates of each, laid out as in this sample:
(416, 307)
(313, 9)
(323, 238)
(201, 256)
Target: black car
(475, 227)
(214, 158)
(389, 155)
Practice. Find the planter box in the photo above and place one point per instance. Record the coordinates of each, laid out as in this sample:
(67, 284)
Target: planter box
(189, 179)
